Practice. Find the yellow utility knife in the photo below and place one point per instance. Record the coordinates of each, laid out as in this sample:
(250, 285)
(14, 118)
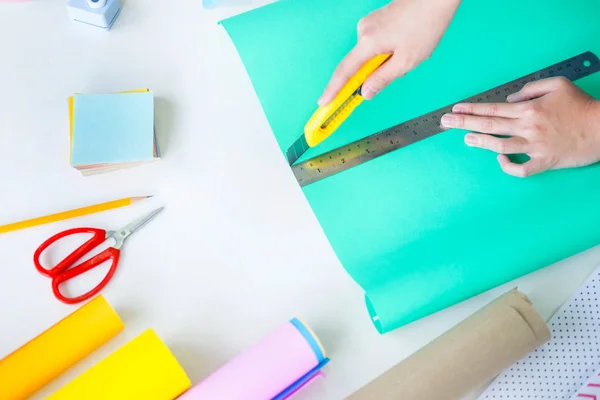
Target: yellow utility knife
(329, 117)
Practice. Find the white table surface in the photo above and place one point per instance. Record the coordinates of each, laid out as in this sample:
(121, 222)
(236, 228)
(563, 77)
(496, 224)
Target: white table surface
(237, 251)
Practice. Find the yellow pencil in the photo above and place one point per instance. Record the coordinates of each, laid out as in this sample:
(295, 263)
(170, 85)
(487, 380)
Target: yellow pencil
(70, 214)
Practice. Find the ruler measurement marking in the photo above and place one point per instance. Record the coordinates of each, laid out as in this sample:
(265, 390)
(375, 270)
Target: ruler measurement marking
(427, 125)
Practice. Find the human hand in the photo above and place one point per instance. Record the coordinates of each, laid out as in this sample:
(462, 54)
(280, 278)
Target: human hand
(408, 29)
(552, 121)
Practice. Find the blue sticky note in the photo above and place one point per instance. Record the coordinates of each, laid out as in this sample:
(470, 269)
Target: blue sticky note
(113, 128)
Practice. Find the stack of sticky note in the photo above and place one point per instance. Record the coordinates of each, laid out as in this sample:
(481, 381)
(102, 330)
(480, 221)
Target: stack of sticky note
(112, 131)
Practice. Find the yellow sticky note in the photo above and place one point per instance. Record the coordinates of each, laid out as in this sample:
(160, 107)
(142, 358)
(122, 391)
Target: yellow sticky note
(142, 369)
(44, 358)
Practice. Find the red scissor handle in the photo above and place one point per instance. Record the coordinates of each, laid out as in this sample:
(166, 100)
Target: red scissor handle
(98, 238)
(66, 269)
(109, 254)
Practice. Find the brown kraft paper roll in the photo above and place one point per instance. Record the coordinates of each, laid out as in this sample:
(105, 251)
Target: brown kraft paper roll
(466, 356)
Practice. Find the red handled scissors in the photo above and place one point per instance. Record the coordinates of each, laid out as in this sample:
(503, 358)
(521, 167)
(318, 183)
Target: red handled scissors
(67, 269)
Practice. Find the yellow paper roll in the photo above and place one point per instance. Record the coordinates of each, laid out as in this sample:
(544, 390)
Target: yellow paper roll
(142, 369)
(44, 358)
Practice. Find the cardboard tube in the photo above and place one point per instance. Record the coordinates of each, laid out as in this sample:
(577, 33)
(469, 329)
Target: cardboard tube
(466, 356)
(44, 358)
(142, 369)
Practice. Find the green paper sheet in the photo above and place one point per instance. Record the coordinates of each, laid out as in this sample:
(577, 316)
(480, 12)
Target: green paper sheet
(435, 223)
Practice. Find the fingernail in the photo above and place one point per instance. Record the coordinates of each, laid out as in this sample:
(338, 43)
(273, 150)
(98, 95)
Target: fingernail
(447, 120)
(368, 93)
(321, 101)
(511, 97)
(458, 108)
(470, 139)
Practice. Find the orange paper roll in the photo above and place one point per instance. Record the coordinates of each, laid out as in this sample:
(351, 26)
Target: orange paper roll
(44, 358)
(142, 369)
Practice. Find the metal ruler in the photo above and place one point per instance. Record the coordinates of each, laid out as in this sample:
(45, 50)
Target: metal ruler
(428, 125)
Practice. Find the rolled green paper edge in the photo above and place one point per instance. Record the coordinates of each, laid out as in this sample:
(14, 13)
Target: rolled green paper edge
(430, 225)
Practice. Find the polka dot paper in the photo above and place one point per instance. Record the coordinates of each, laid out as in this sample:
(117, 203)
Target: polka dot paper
(559, 368)
(590, 390)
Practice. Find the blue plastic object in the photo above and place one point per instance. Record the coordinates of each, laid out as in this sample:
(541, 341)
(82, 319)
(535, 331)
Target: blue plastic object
(94, 13)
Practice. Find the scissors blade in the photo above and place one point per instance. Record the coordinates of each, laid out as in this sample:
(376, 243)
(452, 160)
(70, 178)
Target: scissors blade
(138, 224)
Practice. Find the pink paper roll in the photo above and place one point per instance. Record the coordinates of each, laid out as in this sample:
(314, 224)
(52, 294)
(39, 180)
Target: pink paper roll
(274, 368)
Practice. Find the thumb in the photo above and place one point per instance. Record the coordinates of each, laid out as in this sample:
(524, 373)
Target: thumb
(382, 77)
(536, 89)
